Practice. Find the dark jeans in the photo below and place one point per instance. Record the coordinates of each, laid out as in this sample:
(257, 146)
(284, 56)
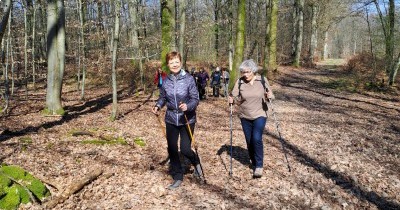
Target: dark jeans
(173, 133)
(253, 130)
(216, 90)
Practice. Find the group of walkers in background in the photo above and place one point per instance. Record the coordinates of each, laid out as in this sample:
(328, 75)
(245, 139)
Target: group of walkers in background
(219, 79)
(181, 92)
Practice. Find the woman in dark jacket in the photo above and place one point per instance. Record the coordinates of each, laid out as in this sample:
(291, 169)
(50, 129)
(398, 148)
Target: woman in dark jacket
(179, 93)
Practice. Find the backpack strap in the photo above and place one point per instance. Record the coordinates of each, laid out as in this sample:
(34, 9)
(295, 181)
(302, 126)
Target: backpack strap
(262, 82)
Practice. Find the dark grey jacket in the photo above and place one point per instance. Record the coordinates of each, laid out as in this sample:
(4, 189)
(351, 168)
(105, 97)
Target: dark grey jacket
(176, 89)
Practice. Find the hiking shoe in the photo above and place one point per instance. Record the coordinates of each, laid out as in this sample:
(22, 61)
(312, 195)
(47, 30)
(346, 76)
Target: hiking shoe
(175, 184)
(198, 173)
(258, 172)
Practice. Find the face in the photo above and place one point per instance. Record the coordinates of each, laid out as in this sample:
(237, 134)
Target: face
(174, 65)
(247, 74)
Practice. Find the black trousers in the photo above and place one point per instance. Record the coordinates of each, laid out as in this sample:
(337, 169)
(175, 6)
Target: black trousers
(173, 133)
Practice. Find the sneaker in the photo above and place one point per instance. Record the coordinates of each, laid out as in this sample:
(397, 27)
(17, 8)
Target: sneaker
(258, 172)
(175, 184)
(198, 173)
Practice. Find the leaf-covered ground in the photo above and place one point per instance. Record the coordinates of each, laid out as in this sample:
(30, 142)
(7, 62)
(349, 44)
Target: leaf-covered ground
(342, 147)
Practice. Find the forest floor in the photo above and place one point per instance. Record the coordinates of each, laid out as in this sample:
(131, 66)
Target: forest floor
(342, 147)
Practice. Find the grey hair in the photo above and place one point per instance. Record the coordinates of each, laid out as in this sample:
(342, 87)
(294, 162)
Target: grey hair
(248, 64)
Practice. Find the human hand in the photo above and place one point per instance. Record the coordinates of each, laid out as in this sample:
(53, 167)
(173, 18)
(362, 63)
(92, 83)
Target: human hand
(155, 110)
(183, 106)
(230, 98)
(269, 95)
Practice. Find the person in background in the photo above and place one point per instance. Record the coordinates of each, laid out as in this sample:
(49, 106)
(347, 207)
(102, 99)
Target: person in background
(225, 81)
(179, 93)
(216, 81)
(251, 97)
(202, 79)
(159, 77)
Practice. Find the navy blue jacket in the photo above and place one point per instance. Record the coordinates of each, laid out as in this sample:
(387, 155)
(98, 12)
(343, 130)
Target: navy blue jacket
(176, 89)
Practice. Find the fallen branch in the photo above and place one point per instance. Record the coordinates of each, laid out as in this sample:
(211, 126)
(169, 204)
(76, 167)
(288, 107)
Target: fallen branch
(73, 188)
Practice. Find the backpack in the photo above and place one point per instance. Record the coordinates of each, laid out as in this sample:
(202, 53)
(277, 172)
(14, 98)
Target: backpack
(216, 77)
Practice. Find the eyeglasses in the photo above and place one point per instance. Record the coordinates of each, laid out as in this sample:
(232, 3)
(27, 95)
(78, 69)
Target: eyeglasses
(246, 72)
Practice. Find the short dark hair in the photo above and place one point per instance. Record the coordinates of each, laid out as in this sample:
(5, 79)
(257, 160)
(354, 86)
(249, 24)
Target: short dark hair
(171, 55)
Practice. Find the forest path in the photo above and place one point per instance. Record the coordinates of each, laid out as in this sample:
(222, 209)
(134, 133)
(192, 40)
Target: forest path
(342, 148)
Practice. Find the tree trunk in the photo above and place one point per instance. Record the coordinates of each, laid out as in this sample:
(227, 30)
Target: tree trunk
(313, 38)
(167, 30)
(6, 79)
(216, 28)
(55, 56)
(33, 46)
(393, 71)
(4, 20)
(239, 45)
(230, 3)
(325, 47)
(83, 47)
(299, 33)
(388, 31)
(182, 24)
(272, 66)
(114, 59)
(26, 50)
(267, 31)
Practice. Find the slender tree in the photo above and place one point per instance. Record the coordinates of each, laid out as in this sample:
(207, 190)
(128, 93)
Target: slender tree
(299, 8)
(82, 46)
(314, 30)
(114, 58)
(167, 30)
(4, 19)
(239, 45)
(273, 28)
(55, 56)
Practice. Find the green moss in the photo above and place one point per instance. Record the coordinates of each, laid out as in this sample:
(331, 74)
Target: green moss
(104, 142)
(140, 142)
(60, 112)
(26, 179)
(47, 111)
(4, 181)
(23, 194)
(11, 200)
(25, 140)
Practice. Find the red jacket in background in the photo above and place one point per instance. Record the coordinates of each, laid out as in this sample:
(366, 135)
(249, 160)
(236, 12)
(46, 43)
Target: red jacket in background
(157, 76)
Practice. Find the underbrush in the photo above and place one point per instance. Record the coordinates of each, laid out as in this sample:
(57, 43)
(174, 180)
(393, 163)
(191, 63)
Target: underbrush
(365, 72)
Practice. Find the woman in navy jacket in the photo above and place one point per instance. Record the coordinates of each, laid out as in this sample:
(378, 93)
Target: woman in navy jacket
(179, 93)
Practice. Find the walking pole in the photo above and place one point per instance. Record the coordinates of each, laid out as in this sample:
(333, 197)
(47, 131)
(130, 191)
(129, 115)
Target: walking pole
(230, 172)
(195, 147)
(279, 133)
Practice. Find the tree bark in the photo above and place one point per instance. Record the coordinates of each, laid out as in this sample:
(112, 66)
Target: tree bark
(55, 55)
(182, 25)
(82, 45)
(272, 66)
(239, 45)
(313, 37)
(4, 20)
(299, 33)
(74, 187)
(114, 59)
(167, 30)
(33, 46)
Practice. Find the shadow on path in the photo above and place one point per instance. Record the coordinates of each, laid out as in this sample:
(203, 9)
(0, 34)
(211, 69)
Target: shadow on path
(341, 179)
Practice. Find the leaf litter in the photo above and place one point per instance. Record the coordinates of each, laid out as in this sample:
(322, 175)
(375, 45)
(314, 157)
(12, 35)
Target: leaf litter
(342, 147)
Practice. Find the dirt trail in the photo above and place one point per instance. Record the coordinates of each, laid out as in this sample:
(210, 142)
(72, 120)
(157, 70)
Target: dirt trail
(342, 147)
